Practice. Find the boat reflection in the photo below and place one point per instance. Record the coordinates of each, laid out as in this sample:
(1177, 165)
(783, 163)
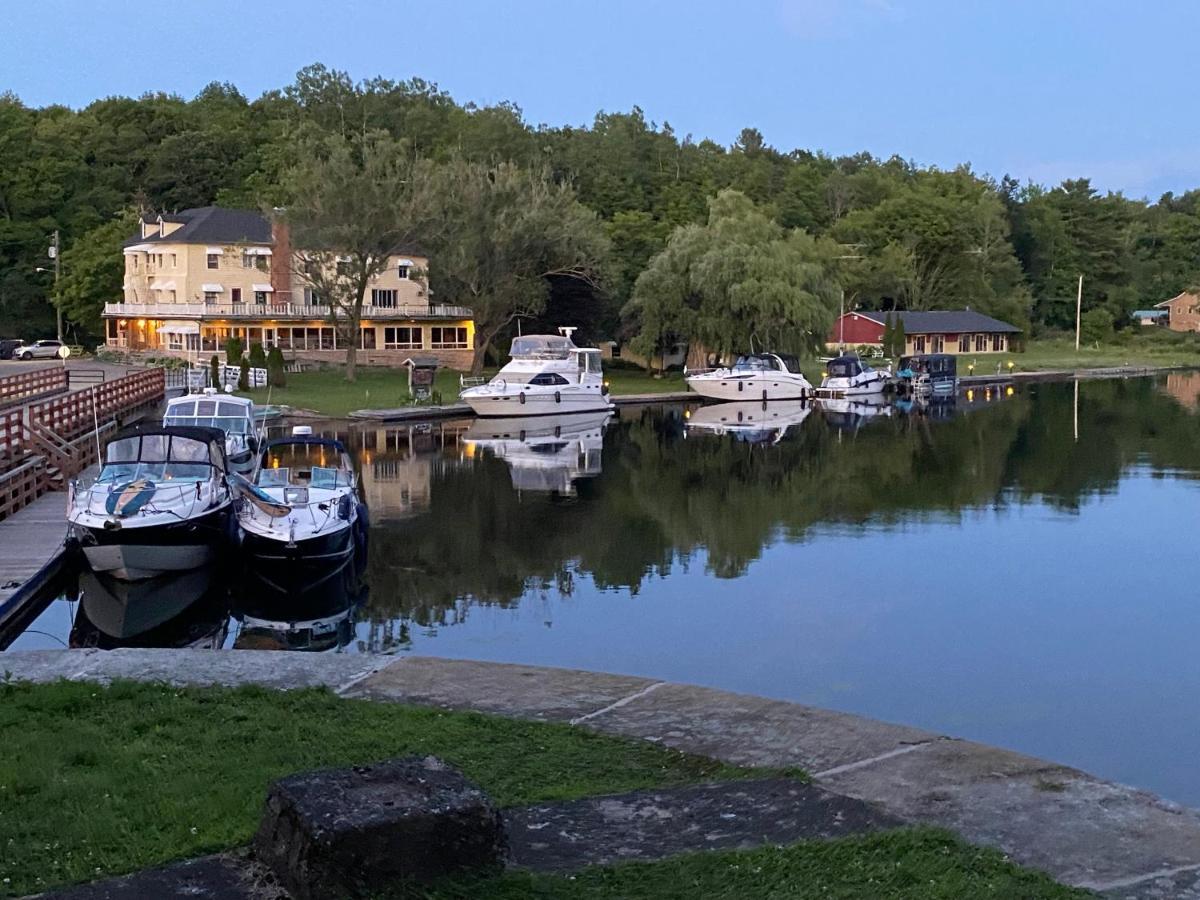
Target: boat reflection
(317, 620)
(850, 413)
(187, 610)
(545, 454)
(752, 422)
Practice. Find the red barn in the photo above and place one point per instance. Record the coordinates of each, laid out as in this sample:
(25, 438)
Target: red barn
(936, 331)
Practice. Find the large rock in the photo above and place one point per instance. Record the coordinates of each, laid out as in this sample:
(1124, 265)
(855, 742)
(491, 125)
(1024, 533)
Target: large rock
(352, 831)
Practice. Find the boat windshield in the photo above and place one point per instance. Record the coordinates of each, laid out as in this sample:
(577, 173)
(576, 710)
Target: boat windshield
(307, 465)
(541, 346)
(756, 364)
(158, 457)
(230, 417)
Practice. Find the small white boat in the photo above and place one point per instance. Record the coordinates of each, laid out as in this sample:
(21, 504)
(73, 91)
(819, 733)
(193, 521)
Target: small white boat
(303, 503)
(849, 376)
(233, 415)
(753, 422)
(161, 503)
(756, 376)
(544, 453)
(547, 375)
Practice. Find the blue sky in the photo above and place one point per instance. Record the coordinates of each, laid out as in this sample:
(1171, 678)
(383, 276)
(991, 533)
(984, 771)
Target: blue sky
(1043, 90)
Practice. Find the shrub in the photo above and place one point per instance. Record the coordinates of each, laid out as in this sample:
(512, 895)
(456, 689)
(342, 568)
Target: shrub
(276, 372)
(244, 375)
(1096, 326)
(258, 356)
(233, 350)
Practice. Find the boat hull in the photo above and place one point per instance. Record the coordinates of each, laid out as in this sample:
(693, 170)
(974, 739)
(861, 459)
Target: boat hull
(136, 553)
(528, 403)
(750, 387)
(843, 387)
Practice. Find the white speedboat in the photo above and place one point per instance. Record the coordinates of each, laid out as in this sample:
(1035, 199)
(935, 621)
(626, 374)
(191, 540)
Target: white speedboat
(757, 376)
(161, 503)
(547, 375)
(233, 415)
(546, 453)
(849, 376)
(753, 422)
(303, 502)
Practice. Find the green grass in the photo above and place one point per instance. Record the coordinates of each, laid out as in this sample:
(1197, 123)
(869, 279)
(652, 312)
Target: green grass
(917, 864)
(98, 781)
(326, 390)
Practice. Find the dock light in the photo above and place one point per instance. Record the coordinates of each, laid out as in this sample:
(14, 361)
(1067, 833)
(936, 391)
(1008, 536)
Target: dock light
(141, 323)
(1010, 365)
(971, 395)
(824, 375)
(687, 413)
(1008, 391)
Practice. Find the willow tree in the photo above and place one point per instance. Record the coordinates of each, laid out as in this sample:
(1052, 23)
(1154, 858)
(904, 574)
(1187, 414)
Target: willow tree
(737, 283)
(500, 233)
(353, 204)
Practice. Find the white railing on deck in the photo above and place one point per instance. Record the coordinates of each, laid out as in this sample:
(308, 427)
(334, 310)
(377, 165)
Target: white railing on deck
(274, 311)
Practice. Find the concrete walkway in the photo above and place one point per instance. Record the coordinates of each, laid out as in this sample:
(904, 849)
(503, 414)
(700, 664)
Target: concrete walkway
(1085, 832)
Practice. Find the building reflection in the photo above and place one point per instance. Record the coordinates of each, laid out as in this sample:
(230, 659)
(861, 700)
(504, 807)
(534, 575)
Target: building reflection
(1185, 388)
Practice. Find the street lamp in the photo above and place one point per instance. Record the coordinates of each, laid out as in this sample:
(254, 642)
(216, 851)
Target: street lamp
(54, 252)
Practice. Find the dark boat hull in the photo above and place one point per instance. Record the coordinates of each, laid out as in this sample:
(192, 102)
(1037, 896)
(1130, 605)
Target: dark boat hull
(135, 553)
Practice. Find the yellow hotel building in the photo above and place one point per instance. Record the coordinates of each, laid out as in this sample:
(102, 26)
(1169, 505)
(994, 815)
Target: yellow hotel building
(197, 277)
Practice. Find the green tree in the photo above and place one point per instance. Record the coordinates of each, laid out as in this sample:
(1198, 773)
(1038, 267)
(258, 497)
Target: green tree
(1096, 326)
(233, 351)
(243, 382)
(501, 234)
(214, 371)
(737, 283)
(93, 270)
(353, 204)
(258, 356)
(276, 368)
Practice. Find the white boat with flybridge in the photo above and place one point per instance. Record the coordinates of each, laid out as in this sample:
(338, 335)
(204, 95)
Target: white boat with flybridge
(161, 503)
(753, 422)
(547, 375)
(233, 415)
(302, 504)
(755, 376)
(849, 376)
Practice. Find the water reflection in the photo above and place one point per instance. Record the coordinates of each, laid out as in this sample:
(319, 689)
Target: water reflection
(547, 454)
(754, 423)
(186, 610)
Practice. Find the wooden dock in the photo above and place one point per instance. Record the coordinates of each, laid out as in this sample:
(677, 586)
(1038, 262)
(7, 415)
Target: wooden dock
(32, 555)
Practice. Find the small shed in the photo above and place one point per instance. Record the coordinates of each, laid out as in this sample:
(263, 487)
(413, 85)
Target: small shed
(421, 372)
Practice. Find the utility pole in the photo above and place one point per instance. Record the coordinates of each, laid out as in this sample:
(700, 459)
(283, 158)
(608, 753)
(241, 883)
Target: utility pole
(842, 323)
(1078, 306)
(56, 255)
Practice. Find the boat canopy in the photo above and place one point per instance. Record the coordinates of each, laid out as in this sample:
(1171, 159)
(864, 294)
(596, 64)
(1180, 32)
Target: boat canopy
(846, 367)
(305, 459)
(541, 346)
(933, 364)
(232, 415)
(163, 453)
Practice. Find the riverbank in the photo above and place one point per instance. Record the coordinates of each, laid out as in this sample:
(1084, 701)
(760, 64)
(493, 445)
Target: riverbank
(1084, 831)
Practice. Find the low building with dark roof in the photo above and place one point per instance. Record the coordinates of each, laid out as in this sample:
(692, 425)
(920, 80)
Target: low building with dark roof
(197, 277)
(933, 331)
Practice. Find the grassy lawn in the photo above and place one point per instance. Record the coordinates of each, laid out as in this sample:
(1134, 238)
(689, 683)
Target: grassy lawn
(98, 781)
(918, 864)
(326, 390)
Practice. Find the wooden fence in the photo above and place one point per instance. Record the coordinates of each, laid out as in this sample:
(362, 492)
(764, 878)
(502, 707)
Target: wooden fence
(45, 443)
(26, 385)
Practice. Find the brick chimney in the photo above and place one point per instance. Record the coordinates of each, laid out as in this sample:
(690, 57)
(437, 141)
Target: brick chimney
(281, 259)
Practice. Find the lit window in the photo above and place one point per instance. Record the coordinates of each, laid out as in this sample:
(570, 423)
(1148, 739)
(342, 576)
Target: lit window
(448, 338)
(402, 338)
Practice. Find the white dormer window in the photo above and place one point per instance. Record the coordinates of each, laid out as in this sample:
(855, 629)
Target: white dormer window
(404, 269)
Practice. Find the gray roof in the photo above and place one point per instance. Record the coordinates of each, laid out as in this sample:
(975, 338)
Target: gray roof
(947, 321)
(212, 225)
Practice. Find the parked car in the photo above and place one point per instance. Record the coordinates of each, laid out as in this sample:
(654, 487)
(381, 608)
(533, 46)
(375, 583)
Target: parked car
(39, 350)
(7, 347)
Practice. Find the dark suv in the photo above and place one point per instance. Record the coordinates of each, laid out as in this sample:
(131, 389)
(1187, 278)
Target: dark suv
(7, 347)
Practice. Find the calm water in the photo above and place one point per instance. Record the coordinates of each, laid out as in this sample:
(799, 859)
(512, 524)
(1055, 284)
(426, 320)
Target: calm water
(1004, 569)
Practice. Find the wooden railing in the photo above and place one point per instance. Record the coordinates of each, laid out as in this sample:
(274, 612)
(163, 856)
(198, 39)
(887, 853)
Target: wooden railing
(76, 413)
(44, 443)
(38, 383)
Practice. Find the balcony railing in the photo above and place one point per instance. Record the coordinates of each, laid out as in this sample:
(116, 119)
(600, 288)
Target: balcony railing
(213, 311)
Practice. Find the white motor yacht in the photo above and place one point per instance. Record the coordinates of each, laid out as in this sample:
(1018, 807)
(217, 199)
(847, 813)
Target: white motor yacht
(233, 415)
(161, 503)
(303, 503)
(546, 454)
(546, 375)
(756, 376)
(754, 422)
(849, 376)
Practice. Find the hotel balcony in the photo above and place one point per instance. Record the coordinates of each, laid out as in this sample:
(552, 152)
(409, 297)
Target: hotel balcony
(280, 311)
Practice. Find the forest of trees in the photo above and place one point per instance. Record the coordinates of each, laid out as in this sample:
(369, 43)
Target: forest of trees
(917, 237)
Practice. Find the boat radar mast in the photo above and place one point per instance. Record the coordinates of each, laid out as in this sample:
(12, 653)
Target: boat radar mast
(567, 330)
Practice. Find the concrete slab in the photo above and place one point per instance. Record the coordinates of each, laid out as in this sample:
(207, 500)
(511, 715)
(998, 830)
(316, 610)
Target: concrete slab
(221, 877)
(528, 692)
(1083, 831)
(755, 731)
(647, 825)
(269, 668)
